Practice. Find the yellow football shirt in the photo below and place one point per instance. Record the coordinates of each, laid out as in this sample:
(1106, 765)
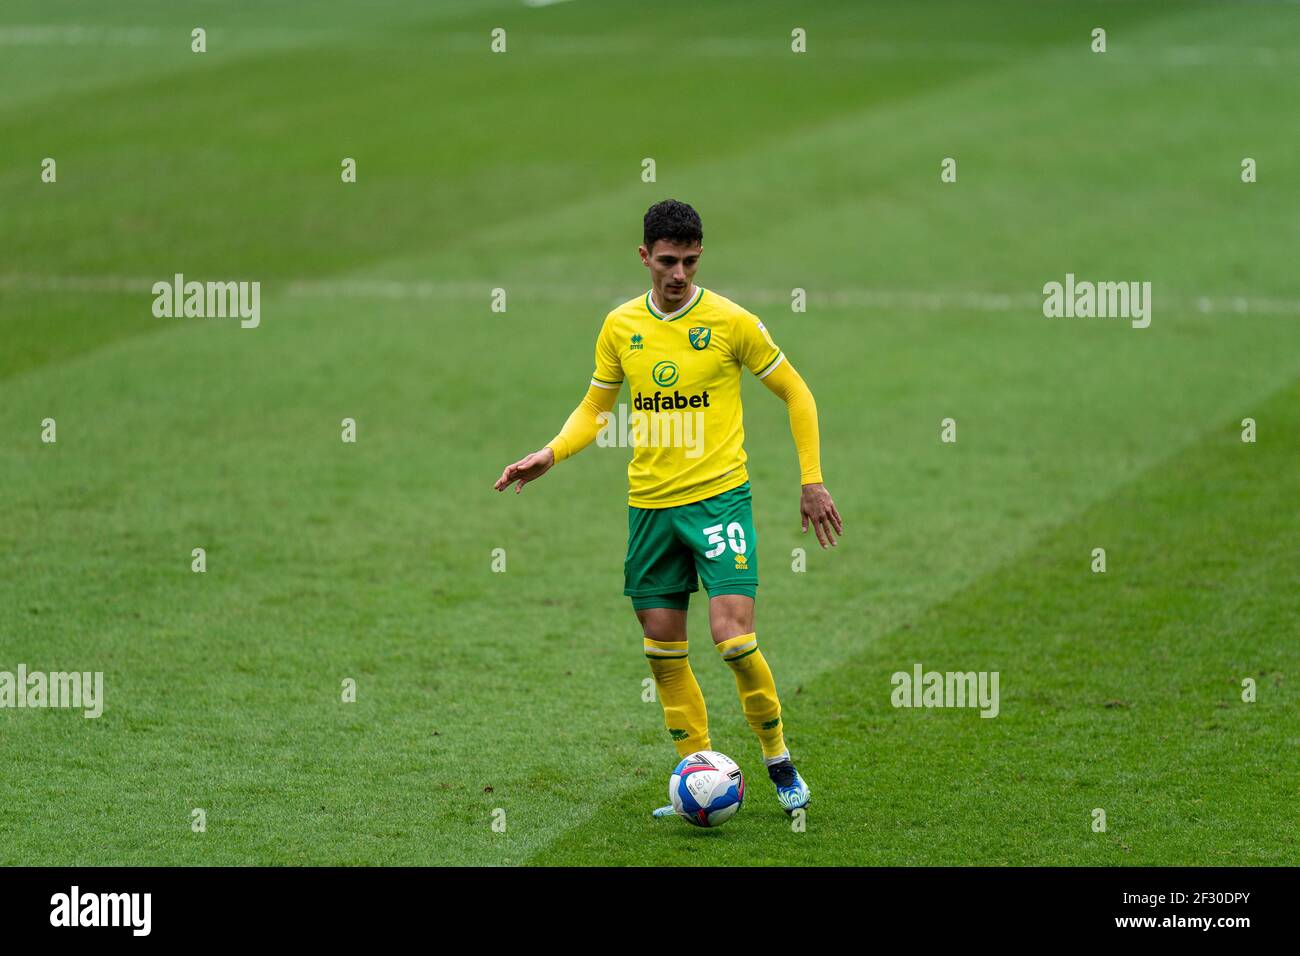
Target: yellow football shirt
(683, 416)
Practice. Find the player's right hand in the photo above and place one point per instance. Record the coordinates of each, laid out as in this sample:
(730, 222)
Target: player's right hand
(526, 469)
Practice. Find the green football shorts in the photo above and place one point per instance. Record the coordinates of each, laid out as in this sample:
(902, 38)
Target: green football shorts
(668, 547)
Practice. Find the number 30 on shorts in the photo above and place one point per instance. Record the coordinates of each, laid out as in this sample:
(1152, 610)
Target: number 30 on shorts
(735, 538)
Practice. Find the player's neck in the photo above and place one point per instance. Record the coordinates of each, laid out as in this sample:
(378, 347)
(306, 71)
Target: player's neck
(683, 303)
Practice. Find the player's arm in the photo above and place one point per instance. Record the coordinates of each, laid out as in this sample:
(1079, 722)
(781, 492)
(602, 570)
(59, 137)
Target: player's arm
(585, 422)
(755, 348)
(815, 502)
(582, 425)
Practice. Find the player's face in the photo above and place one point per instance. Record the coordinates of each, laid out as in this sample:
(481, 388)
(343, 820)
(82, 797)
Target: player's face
(672, 267)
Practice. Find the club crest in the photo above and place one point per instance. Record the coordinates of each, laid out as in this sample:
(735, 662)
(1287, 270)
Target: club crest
(700, 338)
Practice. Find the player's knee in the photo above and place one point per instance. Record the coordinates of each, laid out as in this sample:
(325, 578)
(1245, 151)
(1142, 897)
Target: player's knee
(662, 624)
(724, 629)
(728, 619)
(664, 633)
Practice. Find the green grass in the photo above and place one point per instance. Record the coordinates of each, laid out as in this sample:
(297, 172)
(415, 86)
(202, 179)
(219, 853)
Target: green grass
(371, 561)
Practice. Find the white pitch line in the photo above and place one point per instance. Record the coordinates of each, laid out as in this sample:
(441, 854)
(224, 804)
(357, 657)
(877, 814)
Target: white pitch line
(872, 50)
(912, 300)
(73, 35)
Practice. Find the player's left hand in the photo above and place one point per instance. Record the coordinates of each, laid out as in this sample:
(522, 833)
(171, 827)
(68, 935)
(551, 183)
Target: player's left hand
(816, 506)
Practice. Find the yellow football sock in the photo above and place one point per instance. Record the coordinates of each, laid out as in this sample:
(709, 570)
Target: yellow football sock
(757, 692)
(679, 692)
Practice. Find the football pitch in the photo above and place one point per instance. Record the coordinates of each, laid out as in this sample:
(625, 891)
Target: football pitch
(499, 716)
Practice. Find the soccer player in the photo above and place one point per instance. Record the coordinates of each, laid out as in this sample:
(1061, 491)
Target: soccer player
(681, 348)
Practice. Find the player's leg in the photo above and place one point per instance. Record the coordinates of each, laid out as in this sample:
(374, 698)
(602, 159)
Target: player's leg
(659, 575)
(731, 618)
(726, 558)
(685, 715)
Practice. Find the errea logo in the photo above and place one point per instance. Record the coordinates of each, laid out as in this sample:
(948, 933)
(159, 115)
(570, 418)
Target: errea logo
(636, 342)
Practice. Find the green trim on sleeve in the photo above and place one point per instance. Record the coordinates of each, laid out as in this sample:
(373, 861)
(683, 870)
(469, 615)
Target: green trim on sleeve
(769, 364)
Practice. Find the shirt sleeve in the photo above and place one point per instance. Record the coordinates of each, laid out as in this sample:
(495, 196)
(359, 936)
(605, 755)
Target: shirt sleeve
(609, 370)
(754, 346)
(585, 423)
(791, 388)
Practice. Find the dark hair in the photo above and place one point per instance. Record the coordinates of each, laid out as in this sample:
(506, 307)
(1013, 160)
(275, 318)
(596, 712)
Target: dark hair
(672, 220)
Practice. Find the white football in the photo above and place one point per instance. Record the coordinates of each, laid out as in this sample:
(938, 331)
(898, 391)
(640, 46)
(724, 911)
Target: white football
(706, 788)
